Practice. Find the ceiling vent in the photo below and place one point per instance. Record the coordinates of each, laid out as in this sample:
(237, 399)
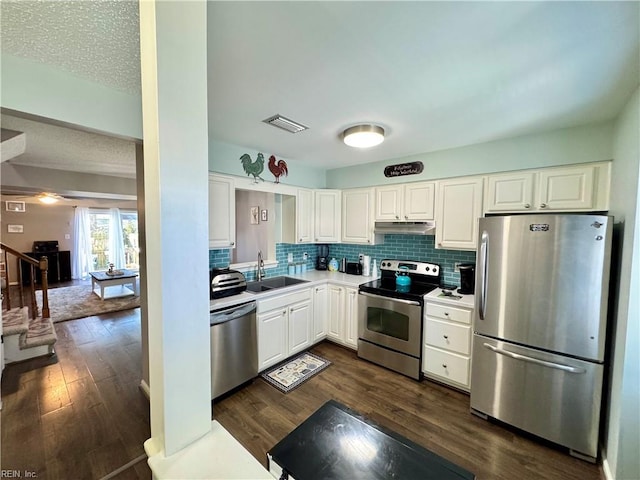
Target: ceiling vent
(285, 124)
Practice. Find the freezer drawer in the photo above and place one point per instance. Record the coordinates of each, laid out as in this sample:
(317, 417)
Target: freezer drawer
(555, 397)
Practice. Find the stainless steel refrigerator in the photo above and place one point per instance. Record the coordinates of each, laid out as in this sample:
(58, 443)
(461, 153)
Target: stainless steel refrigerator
(540, 325)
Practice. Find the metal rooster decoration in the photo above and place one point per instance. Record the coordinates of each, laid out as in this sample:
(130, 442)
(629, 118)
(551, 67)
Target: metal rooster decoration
(253, 168)
(278, 169)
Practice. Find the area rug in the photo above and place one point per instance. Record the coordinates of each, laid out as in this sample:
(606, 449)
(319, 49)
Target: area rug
(79, 301)
(293, 372)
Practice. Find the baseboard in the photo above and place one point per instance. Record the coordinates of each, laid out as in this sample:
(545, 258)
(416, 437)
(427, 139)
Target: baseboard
(144, 386)
(606, 469)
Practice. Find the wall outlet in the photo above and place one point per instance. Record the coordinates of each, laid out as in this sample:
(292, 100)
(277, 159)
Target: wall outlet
(67, 236)
(456, 267)
(361, 257)
(290, 257)
(305, 256)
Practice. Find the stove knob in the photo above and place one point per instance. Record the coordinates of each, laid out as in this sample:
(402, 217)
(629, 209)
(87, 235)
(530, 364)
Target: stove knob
(427, 269)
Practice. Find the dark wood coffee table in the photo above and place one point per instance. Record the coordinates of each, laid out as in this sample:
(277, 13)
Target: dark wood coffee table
(101, 280)
(337, 443)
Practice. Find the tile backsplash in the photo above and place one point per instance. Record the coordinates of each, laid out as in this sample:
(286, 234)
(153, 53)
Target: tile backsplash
(404, 247)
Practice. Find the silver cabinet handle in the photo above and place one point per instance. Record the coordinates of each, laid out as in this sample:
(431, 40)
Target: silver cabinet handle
(406, 217)
(484, 255)
(543, 205)
(527, 205)
(446, 337)
(446, 314)
(397, 217)
(233, 243)
(444, 365)
(368, 240)
(537, 361)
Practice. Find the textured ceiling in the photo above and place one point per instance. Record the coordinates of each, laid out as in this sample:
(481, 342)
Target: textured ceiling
(97, 40)
(60, 148)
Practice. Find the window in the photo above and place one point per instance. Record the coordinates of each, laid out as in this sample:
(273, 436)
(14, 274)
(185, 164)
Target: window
(101, 239)
(130, 237)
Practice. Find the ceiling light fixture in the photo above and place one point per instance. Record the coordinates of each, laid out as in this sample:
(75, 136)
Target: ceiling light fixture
(363, 136)
(47, 198)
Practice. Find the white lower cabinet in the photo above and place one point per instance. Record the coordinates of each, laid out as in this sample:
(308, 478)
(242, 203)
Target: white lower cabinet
(343, 315)
(284, 327)
(320, 313)
(447, 344)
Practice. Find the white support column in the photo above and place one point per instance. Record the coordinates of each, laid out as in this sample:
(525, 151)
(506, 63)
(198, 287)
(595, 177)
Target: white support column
(173, 47)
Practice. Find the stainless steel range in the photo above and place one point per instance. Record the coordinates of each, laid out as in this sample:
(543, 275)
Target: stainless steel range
(390, 315)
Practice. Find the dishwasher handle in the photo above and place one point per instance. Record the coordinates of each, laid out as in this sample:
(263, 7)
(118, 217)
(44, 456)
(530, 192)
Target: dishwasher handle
(231, 313)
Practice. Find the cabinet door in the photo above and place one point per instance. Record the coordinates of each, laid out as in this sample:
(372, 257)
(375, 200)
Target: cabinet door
(327, 215)
(351, 318)
(304, 216)
(222, 212)
(509, 193)
(272, 337)
(300, 321)
(419, 201)
(320, 313)
(388, 203)
(566, 188)
(335, 325)
(457, 213)
(357, 216)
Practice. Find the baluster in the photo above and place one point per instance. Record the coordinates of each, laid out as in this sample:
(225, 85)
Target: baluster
(44, 266)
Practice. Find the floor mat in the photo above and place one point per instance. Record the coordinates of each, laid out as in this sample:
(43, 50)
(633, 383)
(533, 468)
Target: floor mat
(295, 371)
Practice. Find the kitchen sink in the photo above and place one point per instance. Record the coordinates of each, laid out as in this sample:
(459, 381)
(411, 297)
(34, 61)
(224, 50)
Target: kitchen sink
(272, 284)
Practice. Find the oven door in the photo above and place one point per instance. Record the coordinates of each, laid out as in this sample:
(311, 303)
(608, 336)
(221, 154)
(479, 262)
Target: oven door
(390, 322)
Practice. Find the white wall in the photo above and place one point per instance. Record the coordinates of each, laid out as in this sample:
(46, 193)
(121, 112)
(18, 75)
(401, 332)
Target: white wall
(225, 158)
(39, 89)
(622, 442)
(590, 143)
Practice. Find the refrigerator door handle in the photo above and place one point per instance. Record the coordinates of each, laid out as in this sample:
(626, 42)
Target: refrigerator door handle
(484, 245)
(524, 358)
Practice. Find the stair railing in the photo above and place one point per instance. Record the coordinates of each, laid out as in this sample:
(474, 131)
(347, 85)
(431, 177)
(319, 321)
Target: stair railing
(43, 265)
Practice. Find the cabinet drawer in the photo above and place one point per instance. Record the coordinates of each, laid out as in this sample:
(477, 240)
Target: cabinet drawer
(449, 366)
(449, 313)
(447, 335)
(283, 301)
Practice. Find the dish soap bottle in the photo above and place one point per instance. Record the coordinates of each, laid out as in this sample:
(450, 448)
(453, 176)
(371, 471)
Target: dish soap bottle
(374, 269)
(333, 265)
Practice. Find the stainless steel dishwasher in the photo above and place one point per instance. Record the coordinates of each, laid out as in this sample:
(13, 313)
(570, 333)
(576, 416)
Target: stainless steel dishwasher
(234, 347)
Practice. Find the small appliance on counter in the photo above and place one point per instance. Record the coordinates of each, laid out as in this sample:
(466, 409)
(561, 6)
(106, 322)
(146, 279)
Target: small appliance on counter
(467, 278)
(226, 282)
(322, 262)
(366, 265)
(354, 268)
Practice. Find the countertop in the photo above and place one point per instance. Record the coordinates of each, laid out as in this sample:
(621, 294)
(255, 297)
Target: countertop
(318, 277)
(467, 301)
(313, 278)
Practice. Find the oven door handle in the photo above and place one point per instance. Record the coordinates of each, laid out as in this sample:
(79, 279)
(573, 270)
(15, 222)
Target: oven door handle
(382, 297)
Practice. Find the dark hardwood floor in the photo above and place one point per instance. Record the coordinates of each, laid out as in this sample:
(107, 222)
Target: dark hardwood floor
(78, 414)
(429, 414)
(81, 415)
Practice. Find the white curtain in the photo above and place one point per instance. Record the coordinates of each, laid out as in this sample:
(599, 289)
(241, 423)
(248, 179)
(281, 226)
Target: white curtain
(82, 258)
(116, 240)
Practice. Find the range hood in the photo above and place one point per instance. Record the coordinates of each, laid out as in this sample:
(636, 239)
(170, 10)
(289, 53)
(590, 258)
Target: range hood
(405, 228)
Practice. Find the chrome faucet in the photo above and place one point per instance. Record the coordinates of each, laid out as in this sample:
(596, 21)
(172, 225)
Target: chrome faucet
(260, 273)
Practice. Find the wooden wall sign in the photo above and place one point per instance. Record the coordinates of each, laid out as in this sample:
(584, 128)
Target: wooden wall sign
(402, 169)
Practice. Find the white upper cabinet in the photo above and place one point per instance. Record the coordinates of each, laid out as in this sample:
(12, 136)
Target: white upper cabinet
(357, 216)
(419, 200)
(458, 209)
(556, 189)
(304, 216)
(566, 188)
(510, 192)
(327, 216)
(406, 202)
(222, 212)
